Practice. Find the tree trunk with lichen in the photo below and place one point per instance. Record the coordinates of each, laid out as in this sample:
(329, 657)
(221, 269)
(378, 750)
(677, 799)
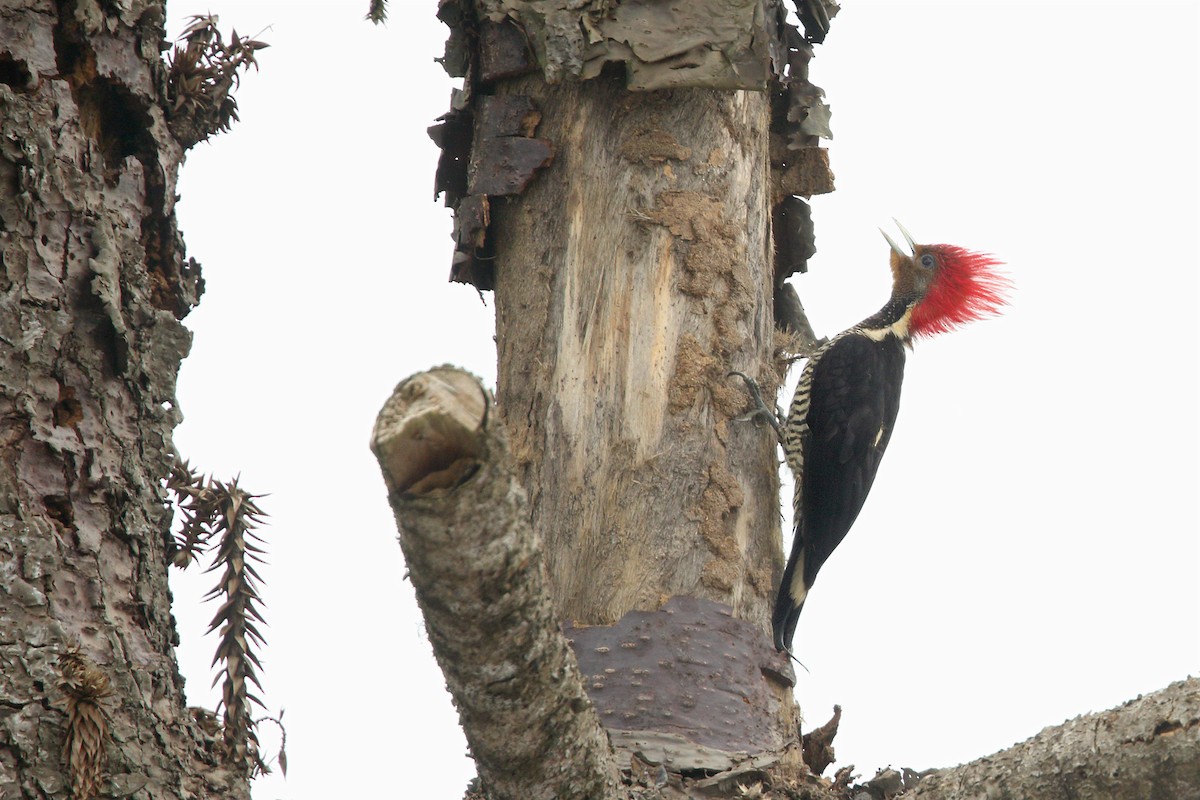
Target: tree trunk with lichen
(93, 285)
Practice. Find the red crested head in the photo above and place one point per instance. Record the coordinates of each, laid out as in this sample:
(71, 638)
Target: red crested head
(965, 287)
(950, 285)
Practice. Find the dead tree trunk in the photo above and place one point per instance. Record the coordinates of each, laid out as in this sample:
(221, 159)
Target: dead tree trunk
(624, 222)
(93, 285)
(615, 173)
(631, 277)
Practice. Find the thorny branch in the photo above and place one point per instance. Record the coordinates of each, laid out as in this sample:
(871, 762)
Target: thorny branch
(196, 501)
(236, 618)
(215, 510)
(377, 13)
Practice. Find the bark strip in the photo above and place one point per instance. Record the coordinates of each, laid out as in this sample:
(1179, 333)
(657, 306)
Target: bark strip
(477, 568)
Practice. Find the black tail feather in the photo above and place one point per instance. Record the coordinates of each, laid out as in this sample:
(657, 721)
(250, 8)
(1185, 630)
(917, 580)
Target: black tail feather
(784, 619)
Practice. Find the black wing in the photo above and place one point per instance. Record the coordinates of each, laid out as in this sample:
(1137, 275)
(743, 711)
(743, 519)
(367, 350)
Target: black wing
(854, 396)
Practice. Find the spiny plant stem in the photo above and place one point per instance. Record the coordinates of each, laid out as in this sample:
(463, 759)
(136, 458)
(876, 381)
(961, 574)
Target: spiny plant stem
(377, 13)
(236, 619)
(211, 511)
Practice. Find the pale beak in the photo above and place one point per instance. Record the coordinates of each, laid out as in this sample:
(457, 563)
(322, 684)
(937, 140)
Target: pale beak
(907, 237)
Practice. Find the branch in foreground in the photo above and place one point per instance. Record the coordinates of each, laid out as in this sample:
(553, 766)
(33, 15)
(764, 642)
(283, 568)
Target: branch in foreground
(1146, 748)
(476, 566)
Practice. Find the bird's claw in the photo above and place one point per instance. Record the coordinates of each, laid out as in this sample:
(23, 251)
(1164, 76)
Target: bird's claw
(761, 408)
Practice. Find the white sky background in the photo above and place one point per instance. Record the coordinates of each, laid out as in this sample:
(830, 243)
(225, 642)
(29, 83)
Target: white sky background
(1030, 550)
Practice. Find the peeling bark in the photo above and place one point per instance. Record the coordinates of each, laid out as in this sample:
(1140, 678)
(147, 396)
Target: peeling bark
(703, 43)
(673, 686)
(476, 566)
(653, 46)
(93, 283)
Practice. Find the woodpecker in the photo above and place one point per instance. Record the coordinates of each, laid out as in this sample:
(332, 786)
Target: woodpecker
(845, 405)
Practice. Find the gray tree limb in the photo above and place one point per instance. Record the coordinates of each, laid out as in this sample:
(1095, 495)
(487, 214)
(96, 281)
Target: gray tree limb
(1146, 749)
(477, 569)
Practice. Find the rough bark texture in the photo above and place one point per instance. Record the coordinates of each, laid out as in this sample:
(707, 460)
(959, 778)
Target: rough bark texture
(636, 269)
(627, 236)
(92, 286)
(631, 277)
(1147, 749)
(476, 566)
(713, 43)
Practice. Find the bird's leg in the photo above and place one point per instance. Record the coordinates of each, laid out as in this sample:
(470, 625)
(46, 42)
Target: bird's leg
(761, 408)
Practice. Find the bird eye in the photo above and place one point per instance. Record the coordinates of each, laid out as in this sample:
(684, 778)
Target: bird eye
(927, 261)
